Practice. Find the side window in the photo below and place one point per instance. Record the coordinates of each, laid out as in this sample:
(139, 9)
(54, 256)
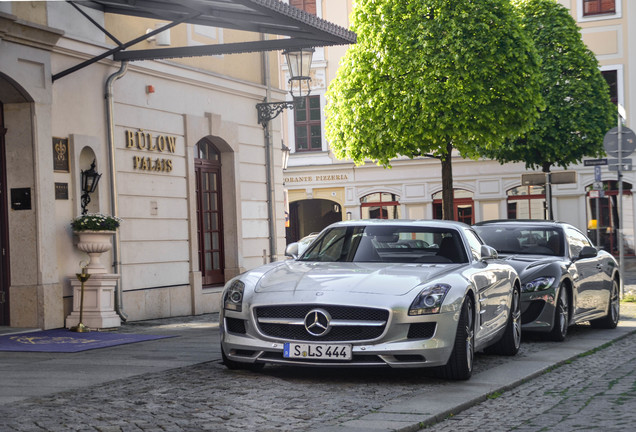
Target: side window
(474, 243)
(576, 241)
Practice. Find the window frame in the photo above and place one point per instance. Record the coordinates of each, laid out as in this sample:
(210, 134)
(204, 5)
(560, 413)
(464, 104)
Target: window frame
(308, 123)
(580, 6)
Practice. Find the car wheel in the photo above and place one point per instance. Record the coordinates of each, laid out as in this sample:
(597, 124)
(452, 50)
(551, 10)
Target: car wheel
(561, 316)
(510, 342)
(234, 365)
(460, 363)
(610, 320)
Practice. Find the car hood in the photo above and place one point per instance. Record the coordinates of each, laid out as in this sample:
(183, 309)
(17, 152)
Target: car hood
(369, 278)
(528, 265)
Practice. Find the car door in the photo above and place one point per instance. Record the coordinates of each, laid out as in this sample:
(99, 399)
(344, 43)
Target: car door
(493, 289)
(590, 281)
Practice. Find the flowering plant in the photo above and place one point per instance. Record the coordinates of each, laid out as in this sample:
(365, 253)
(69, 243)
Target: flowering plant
(95, 222)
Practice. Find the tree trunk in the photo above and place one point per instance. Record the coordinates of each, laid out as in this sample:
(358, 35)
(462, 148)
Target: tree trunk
(448, 212)
(549, 214)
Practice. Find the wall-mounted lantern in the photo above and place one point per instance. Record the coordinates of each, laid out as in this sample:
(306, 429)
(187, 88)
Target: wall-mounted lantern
(90, 179)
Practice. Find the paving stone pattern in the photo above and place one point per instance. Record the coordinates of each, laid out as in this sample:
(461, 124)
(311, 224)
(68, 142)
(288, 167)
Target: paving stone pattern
(207, 396)
(596, 392)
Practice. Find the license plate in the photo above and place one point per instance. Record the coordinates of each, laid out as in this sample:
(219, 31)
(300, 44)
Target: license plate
(317, 351)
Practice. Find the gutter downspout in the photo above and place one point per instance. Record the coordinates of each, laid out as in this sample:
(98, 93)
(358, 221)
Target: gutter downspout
(268, 164)
(110, 126)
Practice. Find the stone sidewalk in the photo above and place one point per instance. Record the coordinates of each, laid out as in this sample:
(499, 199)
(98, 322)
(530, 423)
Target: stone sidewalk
(179, 384)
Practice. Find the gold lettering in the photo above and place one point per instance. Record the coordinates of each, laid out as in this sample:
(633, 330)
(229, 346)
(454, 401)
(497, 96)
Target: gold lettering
(151, 145)
(161, 143)
(169, 165)
(171, 143)
(130, 139)
(141, 139)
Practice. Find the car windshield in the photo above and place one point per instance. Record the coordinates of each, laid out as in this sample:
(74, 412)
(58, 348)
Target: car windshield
(397, 244)
(523, 240)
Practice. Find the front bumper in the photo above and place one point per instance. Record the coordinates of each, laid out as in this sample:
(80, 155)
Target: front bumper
(537, 310)
(399, 346)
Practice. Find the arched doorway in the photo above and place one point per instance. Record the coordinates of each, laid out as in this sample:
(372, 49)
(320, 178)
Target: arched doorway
(207, 166)
(464, 207)
(311, 215)
(603, 216)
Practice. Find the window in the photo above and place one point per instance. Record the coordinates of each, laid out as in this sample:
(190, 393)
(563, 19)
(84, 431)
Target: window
(463, 203)
(526, 202)
(611, 76)
(207, 164)
(577, 241)
(380, 206)
(307, 125)
(306, 5)
(598, 7)
(474, 243)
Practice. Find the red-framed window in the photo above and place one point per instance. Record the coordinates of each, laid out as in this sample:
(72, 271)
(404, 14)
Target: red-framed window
(463, 206)
(307, 125)
(381, 205)
(306, 5)
(598, 7)
(526, 202)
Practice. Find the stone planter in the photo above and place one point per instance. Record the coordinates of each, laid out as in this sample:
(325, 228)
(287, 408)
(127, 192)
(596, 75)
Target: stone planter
(95, 243)
(99, 289)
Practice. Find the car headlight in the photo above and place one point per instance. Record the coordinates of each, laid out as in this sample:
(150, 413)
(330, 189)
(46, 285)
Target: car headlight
(539, 284)
(233, 297)
(429, 300)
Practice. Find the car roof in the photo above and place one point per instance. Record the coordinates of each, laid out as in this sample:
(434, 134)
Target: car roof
(522, 222)
(404, 222)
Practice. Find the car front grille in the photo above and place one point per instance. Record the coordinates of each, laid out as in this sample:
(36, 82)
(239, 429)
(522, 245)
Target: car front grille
(424, 330)
(347, 323)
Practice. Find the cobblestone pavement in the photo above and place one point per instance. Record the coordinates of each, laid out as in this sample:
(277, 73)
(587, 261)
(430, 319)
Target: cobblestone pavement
(207, 396)
(596, 392)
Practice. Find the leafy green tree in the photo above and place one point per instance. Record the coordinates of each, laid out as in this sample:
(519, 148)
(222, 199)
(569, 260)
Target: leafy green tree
(578, 107)
(427, 76)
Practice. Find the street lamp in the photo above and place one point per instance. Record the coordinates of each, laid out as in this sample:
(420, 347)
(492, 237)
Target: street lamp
(299, 63)
(90, 178)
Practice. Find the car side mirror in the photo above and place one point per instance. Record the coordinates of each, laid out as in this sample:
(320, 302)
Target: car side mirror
(292, 250)
(488, 252)
(587, 252)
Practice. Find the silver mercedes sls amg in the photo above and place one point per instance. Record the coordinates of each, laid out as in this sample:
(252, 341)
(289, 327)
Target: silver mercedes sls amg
(404, 294)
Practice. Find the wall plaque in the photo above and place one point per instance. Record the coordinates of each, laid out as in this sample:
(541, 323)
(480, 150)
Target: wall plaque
(60, 155)
(61, 191)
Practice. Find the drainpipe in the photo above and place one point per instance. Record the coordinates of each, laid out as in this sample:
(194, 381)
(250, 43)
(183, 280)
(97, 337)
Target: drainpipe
(110, 126)
(268, 164)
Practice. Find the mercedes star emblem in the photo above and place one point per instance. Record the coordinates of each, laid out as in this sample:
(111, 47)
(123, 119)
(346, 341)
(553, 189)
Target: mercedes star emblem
(317, 322)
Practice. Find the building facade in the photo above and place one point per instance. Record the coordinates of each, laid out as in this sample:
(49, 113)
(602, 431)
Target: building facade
(322, 189)
(183, 158)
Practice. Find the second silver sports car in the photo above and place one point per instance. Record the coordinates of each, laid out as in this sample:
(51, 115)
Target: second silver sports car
(376, 293)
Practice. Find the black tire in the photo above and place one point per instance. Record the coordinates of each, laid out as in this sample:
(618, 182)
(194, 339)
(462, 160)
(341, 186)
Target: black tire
(610, 321)
(460, 363)
(234, 365)
(510, 342)
(561, 320)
